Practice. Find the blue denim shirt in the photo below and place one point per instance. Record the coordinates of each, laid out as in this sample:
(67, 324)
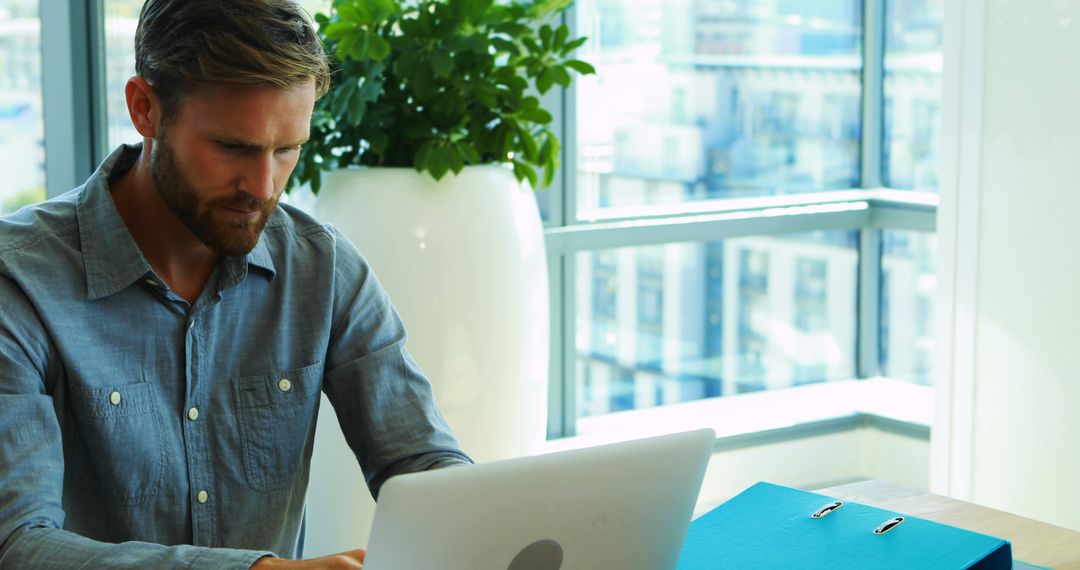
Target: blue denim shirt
(138, 430)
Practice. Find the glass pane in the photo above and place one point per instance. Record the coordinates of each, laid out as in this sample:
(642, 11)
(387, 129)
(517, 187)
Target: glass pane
(543, 203)
(908, 286)
(22, 130)
(316, 6)
(121, 18)
(686, 321)
(913, 60)
(707, 100)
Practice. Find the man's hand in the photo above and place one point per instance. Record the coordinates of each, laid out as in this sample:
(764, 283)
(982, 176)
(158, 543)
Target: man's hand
(352, 559)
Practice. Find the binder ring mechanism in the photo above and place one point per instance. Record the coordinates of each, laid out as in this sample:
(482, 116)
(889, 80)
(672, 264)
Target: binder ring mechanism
(827, 509)
(889, 525)
(884, 528)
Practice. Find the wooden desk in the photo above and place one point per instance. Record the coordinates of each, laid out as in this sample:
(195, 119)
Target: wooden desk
(1032, 541)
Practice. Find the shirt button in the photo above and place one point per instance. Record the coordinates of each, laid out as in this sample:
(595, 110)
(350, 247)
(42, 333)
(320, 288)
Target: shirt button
(193, 414)
(114, 398)
(191, 324)
(152, 283)
(284, 385)
(202, 497)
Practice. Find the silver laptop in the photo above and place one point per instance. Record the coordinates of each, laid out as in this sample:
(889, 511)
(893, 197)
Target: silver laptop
(622, 506)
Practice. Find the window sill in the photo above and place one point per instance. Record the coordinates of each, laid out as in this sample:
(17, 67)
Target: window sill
(766, 417)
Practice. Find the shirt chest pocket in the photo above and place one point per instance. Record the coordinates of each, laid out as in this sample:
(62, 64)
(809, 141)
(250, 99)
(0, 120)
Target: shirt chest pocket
(117, 447)
(276, 414)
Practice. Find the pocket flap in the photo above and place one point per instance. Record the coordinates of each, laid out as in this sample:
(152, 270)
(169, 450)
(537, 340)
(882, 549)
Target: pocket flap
(291, 387)
(113, 401)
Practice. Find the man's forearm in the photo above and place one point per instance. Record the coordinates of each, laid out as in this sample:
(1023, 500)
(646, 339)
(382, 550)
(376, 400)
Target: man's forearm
(48, 548)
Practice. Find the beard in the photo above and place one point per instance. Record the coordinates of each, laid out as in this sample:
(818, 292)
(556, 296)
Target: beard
(224, 235)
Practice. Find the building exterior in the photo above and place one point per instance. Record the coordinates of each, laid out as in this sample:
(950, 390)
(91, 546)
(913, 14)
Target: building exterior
(700, 100)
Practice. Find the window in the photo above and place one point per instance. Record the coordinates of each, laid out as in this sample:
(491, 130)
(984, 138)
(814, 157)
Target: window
(22, 151)
(710, 100)
(908, 286)
(685, 321)
(120, 19)
(734, 223)
(913, 62)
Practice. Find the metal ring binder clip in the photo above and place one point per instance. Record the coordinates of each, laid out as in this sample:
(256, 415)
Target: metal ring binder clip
(827, 509)
(889, 525)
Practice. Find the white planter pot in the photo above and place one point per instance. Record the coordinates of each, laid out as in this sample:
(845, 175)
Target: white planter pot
(463, 261)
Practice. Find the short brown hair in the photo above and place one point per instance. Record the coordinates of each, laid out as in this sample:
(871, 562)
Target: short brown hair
(181, 44)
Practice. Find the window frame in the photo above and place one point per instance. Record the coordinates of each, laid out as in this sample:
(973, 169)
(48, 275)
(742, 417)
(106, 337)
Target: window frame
(869, 209)
(72, 92)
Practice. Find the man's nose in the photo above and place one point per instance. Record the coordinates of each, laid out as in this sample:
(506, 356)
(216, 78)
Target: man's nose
(257, 179)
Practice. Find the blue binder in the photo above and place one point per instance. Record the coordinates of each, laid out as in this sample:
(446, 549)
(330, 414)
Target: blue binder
(771, 526)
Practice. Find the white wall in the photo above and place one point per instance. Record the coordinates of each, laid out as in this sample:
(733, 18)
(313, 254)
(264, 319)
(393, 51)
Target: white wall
(1011, 419)
(817, 462)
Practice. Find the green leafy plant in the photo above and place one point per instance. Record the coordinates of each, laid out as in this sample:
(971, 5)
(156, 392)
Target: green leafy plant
(440, 84)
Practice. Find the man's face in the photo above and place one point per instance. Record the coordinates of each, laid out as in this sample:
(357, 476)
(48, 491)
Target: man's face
(221, 163)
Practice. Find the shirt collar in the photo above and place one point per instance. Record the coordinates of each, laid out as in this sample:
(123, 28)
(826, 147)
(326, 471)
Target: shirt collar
(260, 255)
(111, 257)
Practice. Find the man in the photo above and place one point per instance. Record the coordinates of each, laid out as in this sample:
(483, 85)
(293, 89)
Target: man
(167, 328)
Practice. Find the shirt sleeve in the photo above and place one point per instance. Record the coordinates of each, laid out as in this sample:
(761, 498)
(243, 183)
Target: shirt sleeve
(382, 399)
(32, 466)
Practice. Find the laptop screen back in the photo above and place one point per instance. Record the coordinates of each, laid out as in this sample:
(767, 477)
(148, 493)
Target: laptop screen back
(625, 505)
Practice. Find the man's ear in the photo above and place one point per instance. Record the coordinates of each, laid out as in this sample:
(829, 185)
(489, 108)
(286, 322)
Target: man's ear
(144, 107)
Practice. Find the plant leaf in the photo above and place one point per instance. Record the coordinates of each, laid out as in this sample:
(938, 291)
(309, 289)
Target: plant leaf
(379, 142)
(439, 162)
(523, 171)
(549, 172)
(505, 45)
(442, 63)
(423, 84)
(545, 151)
(560, 75)
(486, 99)
(552, 144)
(316, 180)
(339, 100)
(478, 10)
(546, 37)
(545, 80)
(346, 45)
(536, 115)
(561, 33)
(351, 14)
(378, 48)
(456, 158)
(528, 145)
(573, 45)
(472, 156)
(542, 8)
(340, 29)
(357, 107)
(423, 156)
(502, 141)
(580, 66)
